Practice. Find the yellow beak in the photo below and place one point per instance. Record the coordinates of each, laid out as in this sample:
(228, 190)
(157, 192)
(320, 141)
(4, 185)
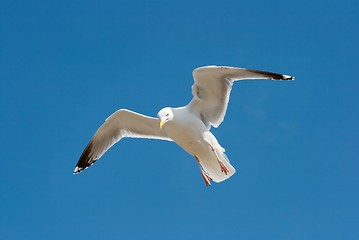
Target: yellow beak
(162, 122)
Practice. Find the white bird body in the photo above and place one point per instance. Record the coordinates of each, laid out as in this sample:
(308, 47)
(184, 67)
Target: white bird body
(185, 130)
(190, 133)
(187, 126)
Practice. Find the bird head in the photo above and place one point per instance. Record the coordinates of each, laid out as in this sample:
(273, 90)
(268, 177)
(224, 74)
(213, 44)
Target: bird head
(165, 115)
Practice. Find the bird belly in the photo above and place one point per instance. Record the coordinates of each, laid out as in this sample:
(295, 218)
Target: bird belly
(188, 136)
(190, 142)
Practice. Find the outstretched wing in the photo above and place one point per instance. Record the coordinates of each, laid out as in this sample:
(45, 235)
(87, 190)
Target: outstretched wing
(122, 123)
(212, 87)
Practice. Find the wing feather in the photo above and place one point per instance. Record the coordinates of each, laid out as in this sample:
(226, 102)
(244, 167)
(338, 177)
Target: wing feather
(122, 123)
(212, 87)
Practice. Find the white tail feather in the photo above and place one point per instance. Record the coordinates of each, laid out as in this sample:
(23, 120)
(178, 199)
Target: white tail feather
(210, 161)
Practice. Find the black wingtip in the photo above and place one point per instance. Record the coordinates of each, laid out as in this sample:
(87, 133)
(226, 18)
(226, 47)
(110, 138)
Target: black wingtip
(86, 159)
(287, 77)
(77, 170)
(273, 76)
(276, 76)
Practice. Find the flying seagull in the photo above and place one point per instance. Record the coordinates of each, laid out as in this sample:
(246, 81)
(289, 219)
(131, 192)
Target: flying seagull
(188, 126)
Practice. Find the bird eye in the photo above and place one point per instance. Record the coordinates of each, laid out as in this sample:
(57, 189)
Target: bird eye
(167, 114)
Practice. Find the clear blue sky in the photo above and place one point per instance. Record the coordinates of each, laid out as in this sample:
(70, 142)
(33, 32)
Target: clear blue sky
(67, 65)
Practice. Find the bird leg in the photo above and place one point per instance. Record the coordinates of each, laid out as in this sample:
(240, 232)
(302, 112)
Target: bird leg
(224, 169)
(206, 178)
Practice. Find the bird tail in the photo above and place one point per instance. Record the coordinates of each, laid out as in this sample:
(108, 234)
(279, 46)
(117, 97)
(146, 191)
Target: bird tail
(214, 170)
(213, 161)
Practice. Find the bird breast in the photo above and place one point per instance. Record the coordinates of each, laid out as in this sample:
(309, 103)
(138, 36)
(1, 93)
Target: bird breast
(186, 130)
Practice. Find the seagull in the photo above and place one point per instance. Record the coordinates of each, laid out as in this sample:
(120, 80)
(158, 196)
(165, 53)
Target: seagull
(188, 126)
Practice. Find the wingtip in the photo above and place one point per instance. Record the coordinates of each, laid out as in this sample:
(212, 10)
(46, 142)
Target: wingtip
(86, 159)
(77, 170)
(287, 77)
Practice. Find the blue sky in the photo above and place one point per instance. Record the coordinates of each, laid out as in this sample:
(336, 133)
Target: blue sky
(67, 65)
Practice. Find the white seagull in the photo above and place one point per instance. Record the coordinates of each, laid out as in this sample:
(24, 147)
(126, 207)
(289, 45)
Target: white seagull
(188, 126)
